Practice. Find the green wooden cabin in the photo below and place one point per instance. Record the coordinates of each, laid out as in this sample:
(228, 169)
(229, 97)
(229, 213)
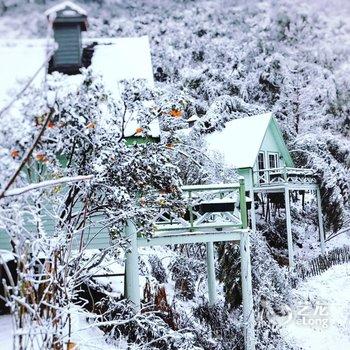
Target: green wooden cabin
(252, 145)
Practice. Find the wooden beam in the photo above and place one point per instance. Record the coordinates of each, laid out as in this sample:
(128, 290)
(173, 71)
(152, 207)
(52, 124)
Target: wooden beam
(281, 186)
(213, 226)
(189, 237)
(197, 188)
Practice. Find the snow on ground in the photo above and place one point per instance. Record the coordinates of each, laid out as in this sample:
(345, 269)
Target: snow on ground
(320, 317)
(88, 337)
(6, 331)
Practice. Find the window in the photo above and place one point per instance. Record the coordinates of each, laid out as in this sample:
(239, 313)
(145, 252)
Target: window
(261, 161)
(261, 166)
(273, 160)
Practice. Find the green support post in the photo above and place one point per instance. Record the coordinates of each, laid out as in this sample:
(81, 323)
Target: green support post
(242, 203)
(320, 221)
(190, 209)
(289, 228)
(132, 287)
(211, 273)
(252, 210)
(285, 174)
(247, 292)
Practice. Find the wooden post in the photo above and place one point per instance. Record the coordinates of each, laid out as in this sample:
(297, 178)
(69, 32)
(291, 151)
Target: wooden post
(252, 210)
(285, 178)
(190, 209)
(242, 203)
(320, 221)
(211, 273)
(247, 293)
(132, 289)
(289, 228)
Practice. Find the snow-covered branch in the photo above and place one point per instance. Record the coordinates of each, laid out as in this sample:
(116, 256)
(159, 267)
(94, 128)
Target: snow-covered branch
(48, 183)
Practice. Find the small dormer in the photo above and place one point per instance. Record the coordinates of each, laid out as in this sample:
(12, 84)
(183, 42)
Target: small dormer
(68, 20)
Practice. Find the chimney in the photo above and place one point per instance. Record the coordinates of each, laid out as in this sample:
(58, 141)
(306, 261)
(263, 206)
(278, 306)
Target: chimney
(68, 20)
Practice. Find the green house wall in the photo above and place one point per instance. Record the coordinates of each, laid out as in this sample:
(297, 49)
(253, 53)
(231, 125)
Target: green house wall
(68, 38)
(248, 177)
(95, 235)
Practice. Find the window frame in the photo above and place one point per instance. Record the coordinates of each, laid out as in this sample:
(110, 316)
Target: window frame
(276, 157)
(263, 160)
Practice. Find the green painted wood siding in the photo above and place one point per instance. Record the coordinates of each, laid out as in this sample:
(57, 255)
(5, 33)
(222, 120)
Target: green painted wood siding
(68, 38)
(247, 173)
(4, 241)
(96, 235)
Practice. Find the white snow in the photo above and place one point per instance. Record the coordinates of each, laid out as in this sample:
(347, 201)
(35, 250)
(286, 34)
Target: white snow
(86, 336)
(123, 59)
(6, 256)
(52, 11)
(241, 140)
(6, 332)
(19, 60)
(325, 300)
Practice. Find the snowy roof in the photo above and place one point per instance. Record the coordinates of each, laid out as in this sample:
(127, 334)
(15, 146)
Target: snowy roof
(122, 58)
(125, 59)
(114, 59)
(240, 140)
(20, 60)
(51, 12)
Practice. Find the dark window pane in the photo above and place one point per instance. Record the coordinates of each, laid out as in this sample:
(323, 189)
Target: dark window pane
(261, 162)
(273, 161)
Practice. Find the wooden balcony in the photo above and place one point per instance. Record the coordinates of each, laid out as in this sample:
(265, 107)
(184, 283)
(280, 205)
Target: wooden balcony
(284, 176)
(209, 208)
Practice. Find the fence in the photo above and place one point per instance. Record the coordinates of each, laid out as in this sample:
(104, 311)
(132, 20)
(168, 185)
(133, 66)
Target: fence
(322, 263)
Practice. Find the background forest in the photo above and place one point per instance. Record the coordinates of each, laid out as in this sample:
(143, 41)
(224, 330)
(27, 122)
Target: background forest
(232, 58)
(217, 60)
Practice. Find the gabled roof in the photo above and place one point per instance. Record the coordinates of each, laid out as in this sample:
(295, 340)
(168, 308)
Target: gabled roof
(241, 140)
(52, 11)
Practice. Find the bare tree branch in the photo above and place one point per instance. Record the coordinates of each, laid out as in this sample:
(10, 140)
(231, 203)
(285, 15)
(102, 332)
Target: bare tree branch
(28, 153)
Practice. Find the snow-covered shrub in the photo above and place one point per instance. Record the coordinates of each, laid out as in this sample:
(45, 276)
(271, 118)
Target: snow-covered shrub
(330, 158)
(224, 326)
(275, 234)
(147, 330)
(185, 273)
(84, 136)
(157, 269)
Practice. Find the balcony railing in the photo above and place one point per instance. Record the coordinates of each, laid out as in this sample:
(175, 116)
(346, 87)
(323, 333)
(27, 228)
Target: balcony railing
(209, 208)
(278, 176)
